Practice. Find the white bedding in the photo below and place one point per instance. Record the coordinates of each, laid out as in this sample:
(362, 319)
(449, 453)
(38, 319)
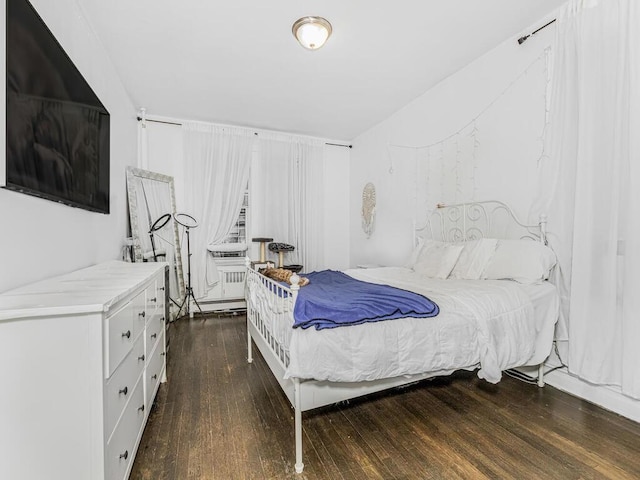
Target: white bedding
(491, 324)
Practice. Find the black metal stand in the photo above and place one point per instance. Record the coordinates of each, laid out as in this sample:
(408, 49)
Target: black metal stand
(188, 294)
(157, 225)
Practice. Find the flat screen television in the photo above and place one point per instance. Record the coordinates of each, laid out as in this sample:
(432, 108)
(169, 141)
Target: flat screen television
(57, 133)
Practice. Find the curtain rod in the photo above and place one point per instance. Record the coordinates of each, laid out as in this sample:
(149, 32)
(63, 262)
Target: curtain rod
(158, 121)
(522, 39)
(255, 133)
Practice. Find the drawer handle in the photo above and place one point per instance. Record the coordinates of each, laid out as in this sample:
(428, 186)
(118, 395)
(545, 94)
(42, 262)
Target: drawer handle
(142, 314)
(141, 408)
(127, 334)
(154, 299)
(124, 391)
(154, 376)
(162, 319)
(161, 289)
(141, 358)
(163, 354)
(125, 455)
(154, 335)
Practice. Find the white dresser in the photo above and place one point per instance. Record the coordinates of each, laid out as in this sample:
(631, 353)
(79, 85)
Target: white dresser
(81, 359)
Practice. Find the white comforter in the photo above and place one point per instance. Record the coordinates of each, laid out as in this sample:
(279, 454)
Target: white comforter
(490, 324)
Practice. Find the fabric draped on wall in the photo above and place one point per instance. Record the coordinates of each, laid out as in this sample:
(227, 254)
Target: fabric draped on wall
(287, 196)
(591, 187)
(444, 172)
(448, 170)
(217, 161)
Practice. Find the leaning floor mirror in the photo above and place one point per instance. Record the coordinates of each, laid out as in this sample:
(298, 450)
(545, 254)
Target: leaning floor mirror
(152, 204)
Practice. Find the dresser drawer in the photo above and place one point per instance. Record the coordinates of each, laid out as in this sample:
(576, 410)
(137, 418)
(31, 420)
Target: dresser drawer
(155, 298)
(140, 313)
(120, 448)
(161, 293)
(153, 333)
(121, 384)
(155, 371)
(119, 337)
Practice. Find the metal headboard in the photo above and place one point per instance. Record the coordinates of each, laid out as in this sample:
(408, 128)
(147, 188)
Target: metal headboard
(474, 220)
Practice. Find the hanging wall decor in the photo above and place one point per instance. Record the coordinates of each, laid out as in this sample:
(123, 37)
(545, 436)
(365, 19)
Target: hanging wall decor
(368, 208)
(447, 170)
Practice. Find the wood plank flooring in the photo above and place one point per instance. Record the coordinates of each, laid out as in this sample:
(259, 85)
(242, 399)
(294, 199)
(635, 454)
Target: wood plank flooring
(219, 417)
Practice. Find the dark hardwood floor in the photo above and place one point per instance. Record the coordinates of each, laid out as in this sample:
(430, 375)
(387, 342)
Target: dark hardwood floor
(219, 417)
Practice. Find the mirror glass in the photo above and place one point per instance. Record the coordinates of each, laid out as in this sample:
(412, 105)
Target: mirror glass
(152, 204)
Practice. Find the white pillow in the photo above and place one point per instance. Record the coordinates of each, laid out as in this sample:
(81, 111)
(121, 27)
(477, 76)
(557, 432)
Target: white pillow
(525, 261)
(474, 258)
(416, 251)
(436, 259)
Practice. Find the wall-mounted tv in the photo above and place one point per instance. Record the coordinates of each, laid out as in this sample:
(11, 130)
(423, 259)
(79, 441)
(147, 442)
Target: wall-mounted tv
(57, 133)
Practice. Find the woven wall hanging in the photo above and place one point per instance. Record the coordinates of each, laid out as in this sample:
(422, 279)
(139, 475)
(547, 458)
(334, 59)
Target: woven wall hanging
(368, 208)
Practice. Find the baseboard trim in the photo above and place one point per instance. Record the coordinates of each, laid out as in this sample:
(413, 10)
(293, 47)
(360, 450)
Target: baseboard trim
(221, 305)
(606, 397)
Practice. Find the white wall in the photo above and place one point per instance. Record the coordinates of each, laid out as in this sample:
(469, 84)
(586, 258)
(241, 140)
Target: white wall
(510, 110)
(41, 238)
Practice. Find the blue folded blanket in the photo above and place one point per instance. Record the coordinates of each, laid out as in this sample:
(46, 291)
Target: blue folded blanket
(334, 299)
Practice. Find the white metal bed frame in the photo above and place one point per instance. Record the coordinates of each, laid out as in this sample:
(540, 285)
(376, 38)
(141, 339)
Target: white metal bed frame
(270, 308)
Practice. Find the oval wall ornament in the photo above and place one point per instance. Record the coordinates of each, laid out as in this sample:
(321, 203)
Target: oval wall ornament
(368, 208)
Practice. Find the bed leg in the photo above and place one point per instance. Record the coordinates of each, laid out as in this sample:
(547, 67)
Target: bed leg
(541, 375)
(249, 351)
(299, 466)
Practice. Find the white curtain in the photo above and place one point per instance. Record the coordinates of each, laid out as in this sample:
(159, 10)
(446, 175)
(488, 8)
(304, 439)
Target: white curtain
(288, 199)
(591, 187)
(217, 161)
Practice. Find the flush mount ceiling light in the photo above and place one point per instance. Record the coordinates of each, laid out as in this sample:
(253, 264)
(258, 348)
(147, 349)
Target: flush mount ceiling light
(311, 32)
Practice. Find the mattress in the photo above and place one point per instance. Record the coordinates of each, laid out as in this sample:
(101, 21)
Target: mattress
(491, 325)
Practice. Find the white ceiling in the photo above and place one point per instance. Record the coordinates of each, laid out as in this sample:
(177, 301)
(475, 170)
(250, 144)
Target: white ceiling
(237, 62)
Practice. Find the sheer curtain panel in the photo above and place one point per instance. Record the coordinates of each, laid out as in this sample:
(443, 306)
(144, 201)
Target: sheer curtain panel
(591, 186)
(288, 198)
(217, 161)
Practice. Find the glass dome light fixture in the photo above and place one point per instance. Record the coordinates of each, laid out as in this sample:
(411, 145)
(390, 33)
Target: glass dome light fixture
(311, 32)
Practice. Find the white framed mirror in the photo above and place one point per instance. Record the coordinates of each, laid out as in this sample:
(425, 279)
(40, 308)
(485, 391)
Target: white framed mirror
(152, 204)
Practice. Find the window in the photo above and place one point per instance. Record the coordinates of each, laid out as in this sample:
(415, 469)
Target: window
(237, 235)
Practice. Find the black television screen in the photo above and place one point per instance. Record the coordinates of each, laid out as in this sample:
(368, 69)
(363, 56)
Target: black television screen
(57, 133)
